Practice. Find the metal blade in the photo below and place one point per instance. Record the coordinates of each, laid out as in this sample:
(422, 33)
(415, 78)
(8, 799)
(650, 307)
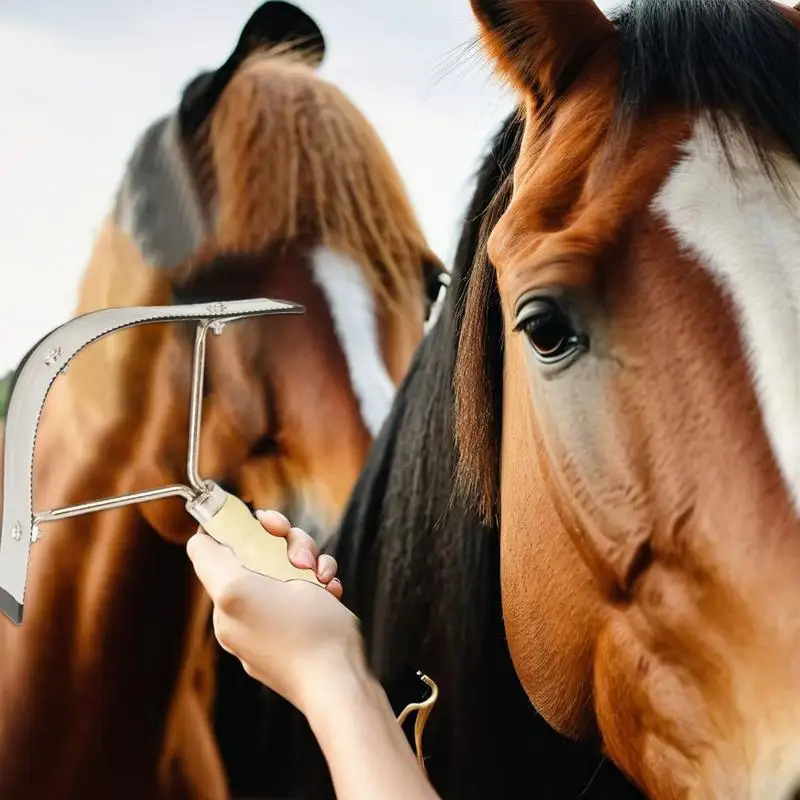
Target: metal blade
(29, 389)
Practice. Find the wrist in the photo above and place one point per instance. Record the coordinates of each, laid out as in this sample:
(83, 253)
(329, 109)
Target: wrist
(365, 747)
(340, 683)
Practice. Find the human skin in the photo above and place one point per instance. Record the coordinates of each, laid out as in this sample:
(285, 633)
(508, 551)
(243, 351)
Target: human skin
(302, 643)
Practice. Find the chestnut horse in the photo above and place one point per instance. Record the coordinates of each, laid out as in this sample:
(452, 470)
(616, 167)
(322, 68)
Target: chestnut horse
(265, 181)
(643, 450)
(624, 354)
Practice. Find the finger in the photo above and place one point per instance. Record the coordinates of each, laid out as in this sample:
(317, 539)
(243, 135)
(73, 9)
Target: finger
(274, 522)
(326, 568)
(302, 549)
(335, 588)
(216, 565)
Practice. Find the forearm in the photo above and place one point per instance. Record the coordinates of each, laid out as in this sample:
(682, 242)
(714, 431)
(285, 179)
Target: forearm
(366, 750)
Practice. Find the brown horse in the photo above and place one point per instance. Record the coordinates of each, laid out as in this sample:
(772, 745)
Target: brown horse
(647, 268)
(266, 181)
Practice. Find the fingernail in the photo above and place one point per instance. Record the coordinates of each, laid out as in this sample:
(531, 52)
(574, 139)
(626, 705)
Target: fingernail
(336, 581)
(269, 515)
(305, 558)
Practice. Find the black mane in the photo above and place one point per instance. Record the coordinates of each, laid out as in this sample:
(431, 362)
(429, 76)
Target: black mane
(422, 572)
(738, 60)
(406, 491)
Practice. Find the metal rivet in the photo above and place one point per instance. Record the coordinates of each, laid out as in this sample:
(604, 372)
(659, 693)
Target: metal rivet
(217, 327)
(51, 356)
(216, 308)
(16, 532)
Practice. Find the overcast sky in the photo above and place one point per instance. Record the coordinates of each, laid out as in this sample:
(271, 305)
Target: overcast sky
(83, 78)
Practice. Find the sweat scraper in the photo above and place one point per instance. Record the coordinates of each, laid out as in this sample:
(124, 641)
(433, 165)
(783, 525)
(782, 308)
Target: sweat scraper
(222, 515)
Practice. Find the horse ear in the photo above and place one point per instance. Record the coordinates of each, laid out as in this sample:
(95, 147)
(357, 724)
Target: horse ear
(273, 23)
(277, 22)
(541, 44)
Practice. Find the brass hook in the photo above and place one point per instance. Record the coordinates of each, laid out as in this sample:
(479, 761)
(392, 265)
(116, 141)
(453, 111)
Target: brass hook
(423, 710)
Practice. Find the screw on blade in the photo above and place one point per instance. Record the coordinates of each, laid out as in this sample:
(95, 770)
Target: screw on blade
(51, 356)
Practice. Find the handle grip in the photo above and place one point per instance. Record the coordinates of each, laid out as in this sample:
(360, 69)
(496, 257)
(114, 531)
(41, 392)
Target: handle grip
(233, 525)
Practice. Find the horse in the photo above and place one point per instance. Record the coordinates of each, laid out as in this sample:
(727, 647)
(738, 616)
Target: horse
(265, 180)
(604, 485)
(421, 569)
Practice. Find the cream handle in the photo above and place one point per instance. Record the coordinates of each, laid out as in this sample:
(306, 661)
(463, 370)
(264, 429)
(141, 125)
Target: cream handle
(233, 525)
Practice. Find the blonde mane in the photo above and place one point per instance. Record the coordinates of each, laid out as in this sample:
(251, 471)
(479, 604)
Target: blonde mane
(286, 155)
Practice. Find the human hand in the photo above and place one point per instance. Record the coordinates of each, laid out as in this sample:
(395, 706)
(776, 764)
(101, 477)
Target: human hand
(288, 635)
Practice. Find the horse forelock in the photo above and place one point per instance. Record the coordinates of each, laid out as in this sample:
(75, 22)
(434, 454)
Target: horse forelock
(478, 370)
(281, 155)
(282, 159)
(292, 158)
(294, 164)
(708, 58)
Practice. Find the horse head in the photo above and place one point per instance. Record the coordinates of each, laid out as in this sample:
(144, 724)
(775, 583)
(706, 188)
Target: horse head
(264, 181)
(645, 263)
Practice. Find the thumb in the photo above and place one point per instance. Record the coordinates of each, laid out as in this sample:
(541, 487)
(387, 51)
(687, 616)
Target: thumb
(216, 565)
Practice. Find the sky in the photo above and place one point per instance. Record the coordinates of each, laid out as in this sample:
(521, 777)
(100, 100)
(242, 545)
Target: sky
(83, 78)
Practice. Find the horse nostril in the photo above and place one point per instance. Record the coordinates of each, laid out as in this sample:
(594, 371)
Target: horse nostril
(265, 446)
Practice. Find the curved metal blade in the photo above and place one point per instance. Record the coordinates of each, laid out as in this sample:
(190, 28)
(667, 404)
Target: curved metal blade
(28, 393)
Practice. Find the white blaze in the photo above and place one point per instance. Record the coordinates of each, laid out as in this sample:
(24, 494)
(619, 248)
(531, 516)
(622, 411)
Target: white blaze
(748, 236)
(352, 307)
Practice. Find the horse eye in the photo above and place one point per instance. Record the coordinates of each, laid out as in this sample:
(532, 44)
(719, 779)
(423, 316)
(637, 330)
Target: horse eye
(434, 286)
(549, 331)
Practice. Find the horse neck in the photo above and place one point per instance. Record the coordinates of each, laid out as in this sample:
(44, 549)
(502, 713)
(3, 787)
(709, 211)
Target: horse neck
(115, 619)
(114, 636)
(96, 420)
